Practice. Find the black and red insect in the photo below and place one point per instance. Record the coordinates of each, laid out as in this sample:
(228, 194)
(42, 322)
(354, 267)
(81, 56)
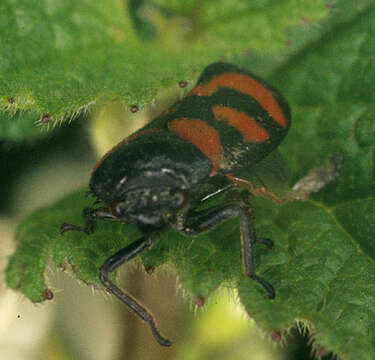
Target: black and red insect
(195, 150)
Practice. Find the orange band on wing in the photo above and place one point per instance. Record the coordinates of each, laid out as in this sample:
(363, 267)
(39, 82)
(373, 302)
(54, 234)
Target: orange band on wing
(247, 85)
(202, 135)
(245, 124)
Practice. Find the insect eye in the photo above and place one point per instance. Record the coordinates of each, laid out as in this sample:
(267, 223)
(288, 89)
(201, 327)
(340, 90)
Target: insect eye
(116, 208)
(180, 198)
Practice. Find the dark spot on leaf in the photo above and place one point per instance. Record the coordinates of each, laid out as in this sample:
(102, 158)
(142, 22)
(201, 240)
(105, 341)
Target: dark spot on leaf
(149, 269)
(182, 84)
(199, 300)
(276, 336)
(18, 316)
(45, 119)
(11, 100)
(48, 295)
(134, 109)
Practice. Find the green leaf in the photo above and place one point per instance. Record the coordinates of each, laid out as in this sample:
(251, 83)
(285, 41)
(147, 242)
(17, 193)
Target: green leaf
(39, 236)
(60, 58)
(325, 278)
(322, 266)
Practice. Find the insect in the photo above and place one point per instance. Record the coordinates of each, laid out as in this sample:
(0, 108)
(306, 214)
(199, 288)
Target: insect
(192, 152)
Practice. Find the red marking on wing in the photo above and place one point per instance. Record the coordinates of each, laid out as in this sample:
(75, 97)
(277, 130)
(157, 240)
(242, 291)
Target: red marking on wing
(122, 143)
(247, 85)
(202, 135)
(245, 124)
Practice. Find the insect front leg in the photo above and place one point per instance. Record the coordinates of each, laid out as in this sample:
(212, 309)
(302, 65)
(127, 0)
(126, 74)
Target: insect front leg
(203, 221)
(112, 263)
(91, 215)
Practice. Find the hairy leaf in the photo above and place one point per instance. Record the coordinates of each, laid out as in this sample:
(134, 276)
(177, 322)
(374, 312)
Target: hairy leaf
(58, 59)
(325, 279)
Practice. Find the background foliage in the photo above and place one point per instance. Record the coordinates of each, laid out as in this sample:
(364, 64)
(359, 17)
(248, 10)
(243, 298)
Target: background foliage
(61, 59)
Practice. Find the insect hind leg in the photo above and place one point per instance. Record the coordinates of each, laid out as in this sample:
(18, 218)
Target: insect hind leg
(209, 218)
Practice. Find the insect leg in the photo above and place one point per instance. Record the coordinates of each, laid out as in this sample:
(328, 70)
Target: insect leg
(206, 220)
(111, 264)
(90, 215)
